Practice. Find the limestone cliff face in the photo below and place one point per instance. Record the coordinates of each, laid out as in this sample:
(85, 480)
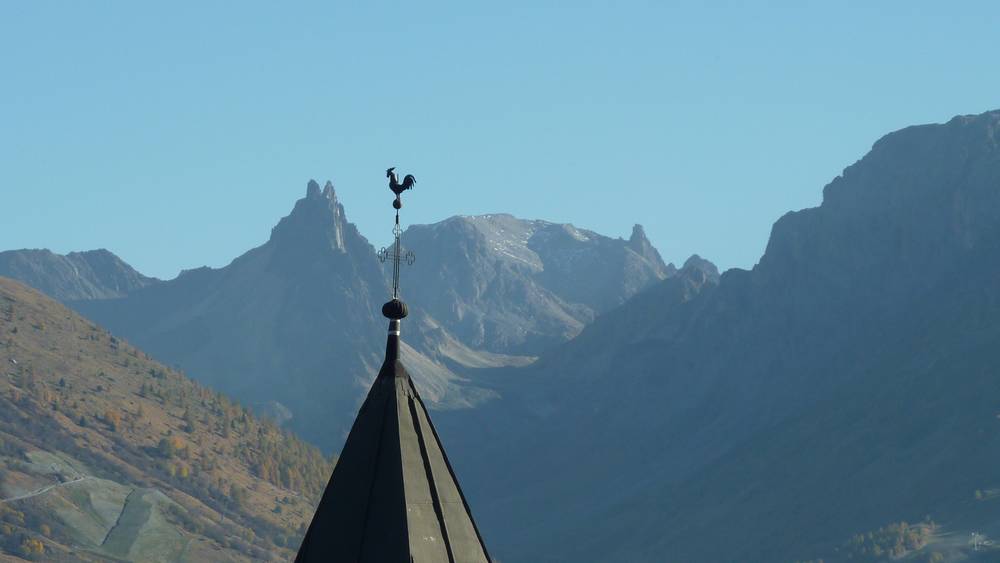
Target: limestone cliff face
(511, 285)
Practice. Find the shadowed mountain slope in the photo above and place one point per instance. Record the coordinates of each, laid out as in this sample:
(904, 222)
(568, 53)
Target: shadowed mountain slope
(844, 383)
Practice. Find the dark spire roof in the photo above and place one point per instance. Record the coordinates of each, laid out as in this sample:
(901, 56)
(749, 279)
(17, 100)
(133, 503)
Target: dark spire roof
(393, 496)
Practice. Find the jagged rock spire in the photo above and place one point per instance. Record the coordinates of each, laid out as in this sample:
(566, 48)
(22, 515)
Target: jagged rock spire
(318, 219)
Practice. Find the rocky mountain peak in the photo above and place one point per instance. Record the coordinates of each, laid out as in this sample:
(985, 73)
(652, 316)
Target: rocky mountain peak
(697, 264)
(318, 218)
(638, 234)
(329, 192)
(312, 189)
(640, 244)
(561, 276)
(923, 195)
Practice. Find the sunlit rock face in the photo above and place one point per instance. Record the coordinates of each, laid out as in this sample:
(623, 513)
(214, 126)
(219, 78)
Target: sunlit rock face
(516, 286)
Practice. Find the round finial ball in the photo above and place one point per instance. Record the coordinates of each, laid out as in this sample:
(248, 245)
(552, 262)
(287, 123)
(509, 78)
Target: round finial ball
(397, 203)
(395, 309)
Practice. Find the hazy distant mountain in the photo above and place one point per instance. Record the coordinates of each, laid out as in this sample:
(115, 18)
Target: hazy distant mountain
(514, 286)
(296, 321)
(847, 382)
(107, 455)
(95, 274)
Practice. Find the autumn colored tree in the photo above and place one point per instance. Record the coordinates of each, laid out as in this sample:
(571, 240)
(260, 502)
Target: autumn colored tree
(32, 548)
(172, 447)
(113, 419)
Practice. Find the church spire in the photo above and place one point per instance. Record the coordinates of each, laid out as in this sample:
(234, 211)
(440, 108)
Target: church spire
(393, 496)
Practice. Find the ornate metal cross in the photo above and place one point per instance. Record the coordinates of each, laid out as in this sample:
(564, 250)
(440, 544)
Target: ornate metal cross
(396, 252)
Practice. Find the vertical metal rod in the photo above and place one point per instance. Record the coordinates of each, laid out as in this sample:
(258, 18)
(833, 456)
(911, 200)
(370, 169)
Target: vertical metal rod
(397, 251)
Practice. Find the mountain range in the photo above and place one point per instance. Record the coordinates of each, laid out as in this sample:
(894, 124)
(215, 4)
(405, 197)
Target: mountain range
(94, 274)
(836, 402)
(292, 327)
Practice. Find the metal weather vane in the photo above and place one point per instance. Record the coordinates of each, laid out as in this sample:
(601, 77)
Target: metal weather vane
(397, 253)
(398, 187)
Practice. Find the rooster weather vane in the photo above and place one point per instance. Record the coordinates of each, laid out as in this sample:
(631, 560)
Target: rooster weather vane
(396, 253)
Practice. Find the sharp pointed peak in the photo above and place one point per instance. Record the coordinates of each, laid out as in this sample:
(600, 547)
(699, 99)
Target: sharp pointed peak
(316, 216)
(313, 192)
(312, 189)
(638, 233)
(329, 192)
(697, 264)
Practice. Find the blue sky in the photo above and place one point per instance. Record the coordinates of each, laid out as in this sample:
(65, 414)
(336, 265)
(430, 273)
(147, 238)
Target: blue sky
(177, 134)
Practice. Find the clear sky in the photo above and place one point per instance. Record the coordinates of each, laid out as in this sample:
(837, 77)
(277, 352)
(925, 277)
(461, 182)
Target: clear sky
(176, 134)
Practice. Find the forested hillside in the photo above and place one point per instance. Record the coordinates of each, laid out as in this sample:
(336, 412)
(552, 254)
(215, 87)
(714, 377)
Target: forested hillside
(107, 455)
